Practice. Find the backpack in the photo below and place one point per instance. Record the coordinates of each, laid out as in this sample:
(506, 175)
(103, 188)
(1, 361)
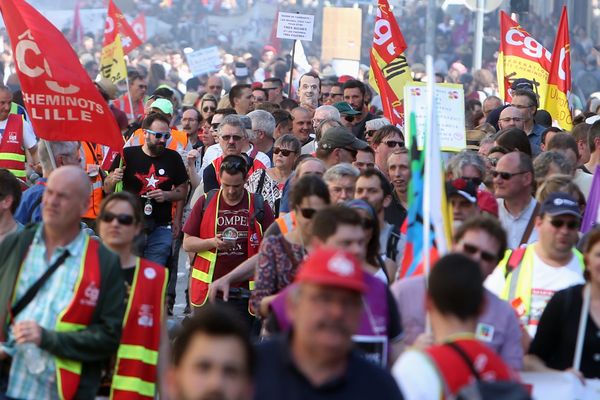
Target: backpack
(391, 247)
(483, 390)
(259, 205)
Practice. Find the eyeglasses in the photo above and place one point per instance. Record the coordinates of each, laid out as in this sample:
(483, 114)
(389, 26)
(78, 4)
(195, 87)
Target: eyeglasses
(207, 109)
(349, 118)
(123, 219)
(335, 94)
(506, 175)
(159, 135)
(215, 87)
(485, 255)
(475, 181)
(284, 152)
(369, 133)
(326, 95)
(308, 213)
(228, 138)
(559, 223)
(393, 143)
(520, 106)
(214, 126)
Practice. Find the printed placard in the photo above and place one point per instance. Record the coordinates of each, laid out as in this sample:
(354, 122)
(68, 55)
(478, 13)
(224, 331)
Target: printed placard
(204, 61)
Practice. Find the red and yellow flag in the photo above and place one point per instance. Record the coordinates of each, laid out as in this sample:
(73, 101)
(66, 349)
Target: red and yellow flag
(389, 70)
(559, 80)
(117, 24)
(521, 56)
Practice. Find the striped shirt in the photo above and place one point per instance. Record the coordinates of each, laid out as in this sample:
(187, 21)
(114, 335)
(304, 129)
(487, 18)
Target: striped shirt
(53, 297)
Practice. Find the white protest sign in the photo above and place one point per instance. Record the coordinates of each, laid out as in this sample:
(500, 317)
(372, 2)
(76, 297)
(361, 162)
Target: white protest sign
(295, 26)
(204, 61)
(449, 102)
(560, 385)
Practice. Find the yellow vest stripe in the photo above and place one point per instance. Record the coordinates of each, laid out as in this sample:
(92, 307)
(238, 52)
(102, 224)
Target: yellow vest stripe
(18, 173)
(139, 353)
(69, 365)
(12, 157)
(133, 384)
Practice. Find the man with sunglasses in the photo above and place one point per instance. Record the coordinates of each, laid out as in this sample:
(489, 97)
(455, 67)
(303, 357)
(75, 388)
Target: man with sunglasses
(137, 90)
(338, 145)
(156, 174)
(274, 89)
(385, 141)
(482, 239)
(224, 229)
(528, 277)
(517, 208)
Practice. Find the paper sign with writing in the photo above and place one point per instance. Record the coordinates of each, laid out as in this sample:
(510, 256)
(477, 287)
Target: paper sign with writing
(204, 61)
(295, 26)
(449, 100)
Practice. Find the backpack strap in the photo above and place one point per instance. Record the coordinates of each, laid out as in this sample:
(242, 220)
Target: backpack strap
(259, 208)
(391, 247)
(514, 260)
(261, 182)
(529, 227)
(465, 358)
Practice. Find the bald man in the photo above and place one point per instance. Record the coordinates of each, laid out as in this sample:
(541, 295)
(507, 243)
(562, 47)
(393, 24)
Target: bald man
(511, 117)
(80, 289)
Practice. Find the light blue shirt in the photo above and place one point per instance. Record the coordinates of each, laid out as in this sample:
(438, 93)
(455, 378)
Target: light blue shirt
(53, 297)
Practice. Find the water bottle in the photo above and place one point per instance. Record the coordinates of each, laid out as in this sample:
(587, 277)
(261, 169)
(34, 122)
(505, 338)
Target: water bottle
(32, 356)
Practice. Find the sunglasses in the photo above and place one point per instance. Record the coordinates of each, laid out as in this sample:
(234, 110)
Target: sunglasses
(142, 86)
(159, 135)
(308, 213)
(394, 143)
(349, 118)
(215, 126)
(207, 109)
(234, 165)
(368, 223)
(559, 223)
(235, 138)
(369, 133)
(506, 175)
(485, 255)
(123, 219)
(284, 152)
(325, 95)
(475, 181)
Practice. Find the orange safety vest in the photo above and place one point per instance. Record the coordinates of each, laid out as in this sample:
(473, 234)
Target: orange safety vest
(256, 165)
(93, 157)
(287, 222)
(137, 358)
(178, 140)
(203, 268)
(12, 154)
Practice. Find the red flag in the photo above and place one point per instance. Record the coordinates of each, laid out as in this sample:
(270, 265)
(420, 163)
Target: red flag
(63, 103)
(77, 31)
(273, 39)
(389, 68)
(139, 27)
(116, 23)
(559, 80)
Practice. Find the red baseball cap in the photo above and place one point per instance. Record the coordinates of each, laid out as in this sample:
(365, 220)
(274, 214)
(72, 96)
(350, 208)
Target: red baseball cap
(332, 267)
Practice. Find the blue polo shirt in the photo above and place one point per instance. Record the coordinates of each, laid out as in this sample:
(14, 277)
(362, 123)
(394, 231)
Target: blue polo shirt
(277, 377)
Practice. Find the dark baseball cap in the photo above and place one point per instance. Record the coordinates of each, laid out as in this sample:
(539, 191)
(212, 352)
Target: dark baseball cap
(462, 187)
(522, 83)
(339, 137)
(345, 108)
(559, 203)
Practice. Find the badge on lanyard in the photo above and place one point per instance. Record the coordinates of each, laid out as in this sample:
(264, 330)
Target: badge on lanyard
(148, 207)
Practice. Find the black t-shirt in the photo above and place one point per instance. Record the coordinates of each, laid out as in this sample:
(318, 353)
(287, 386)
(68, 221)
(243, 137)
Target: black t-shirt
(359, 129)
(395, 213)
(144, 173)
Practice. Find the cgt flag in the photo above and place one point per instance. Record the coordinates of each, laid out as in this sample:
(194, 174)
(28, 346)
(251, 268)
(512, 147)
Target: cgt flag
(116, 24)
(521, 56)
(139, 27)
(63, 103)
(559, 81)
(389, 68)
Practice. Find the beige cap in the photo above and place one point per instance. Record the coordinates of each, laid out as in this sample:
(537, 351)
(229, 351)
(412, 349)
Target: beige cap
(108, 87)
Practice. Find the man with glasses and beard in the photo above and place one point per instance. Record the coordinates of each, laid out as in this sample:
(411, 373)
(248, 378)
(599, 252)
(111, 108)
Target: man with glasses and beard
(225, 228)
(482, 239)
(156, 174)
(528, 276)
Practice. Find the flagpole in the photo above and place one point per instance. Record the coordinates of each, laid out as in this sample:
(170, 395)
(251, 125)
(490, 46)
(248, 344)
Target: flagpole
(292, 68)
(429, 50)
(129, 97)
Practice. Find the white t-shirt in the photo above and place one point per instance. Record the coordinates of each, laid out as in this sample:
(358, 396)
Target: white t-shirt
(29, 139)
(417, 376)
(215, 151)
(546, 281)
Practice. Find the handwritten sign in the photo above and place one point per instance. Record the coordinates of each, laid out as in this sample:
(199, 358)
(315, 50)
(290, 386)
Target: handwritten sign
(295, 26)
(204, 61)
(449, 100)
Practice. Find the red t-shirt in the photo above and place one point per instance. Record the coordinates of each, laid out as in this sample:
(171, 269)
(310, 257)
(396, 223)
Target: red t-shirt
(232, 221)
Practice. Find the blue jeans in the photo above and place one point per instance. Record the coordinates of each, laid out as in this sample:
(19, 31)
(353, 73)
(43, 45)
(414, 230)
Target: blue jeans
(157, 246)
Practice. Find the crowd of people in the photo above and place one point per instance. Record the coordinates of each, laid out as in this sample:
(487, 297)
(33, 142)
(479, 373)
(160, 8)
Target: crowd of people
(290, 211)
